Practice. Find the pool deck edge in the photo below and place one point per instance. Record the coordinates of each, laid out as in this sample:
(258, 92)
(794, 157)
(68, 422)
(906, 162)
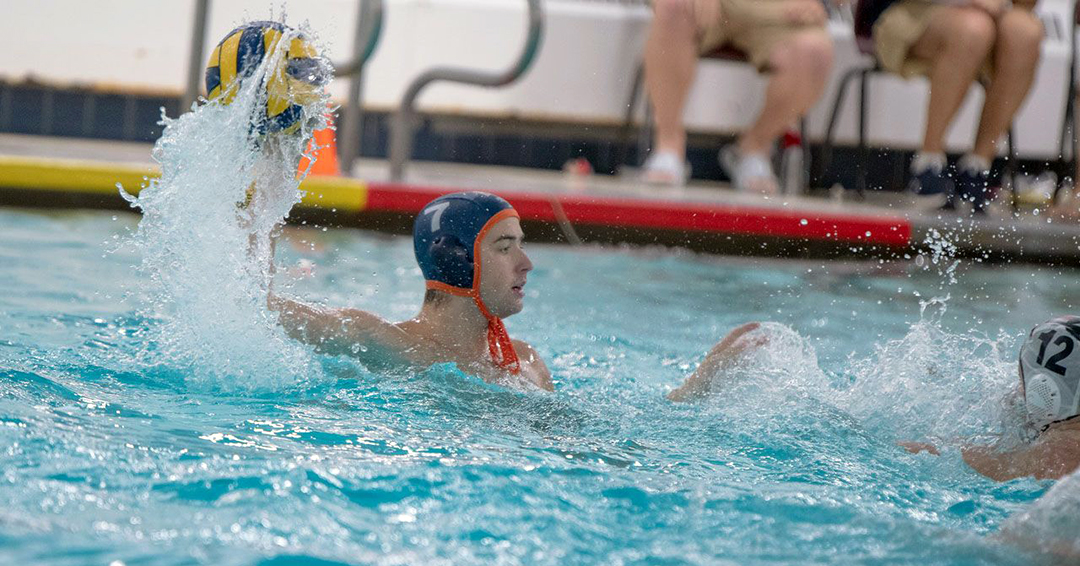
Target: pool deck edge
(718, 222)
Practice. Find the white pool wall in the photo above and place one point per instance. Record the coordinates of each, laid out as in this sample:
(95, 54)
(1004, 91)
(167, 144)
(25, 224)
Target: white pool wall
(582, 76)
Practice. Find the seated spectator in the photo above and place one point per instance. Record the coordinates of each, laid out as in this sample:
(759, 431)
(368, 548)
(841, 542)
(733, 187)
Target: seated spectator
(787, 38)
(1050, 385)
(955, 42)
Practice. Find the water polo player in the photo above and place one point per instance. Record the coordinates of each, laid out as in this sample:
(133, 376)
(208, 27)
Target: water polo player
(1050, 385)
(470, 249)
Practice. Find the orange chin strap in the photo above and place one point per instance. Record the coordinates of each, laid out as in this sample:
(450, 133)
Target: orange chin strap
(499, 344)
(501, 348)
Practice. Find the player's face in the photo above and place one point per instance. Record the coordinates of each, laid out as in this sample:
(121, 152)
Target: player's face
(504, 267)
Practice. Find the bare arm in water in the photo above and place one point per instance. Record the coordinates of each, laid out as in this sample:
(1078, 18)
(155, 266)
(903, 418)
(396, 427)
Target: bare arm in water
(720, 358)
(347, 331)
(350, 332)
(1053, 455)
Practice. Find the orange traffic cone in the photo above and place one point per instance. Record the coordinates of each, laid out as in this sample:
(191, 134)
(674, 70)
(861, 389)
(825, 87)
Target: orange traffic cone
(324, 148)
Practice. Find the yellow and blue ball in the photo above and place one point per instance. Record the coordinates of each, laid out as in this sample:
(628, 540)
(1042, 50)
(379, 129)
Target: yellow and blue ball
(294, 79)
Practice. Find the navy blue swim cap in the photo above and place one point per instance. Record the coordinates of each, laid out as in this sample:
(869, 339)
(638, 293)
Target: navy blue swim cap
(445, 234)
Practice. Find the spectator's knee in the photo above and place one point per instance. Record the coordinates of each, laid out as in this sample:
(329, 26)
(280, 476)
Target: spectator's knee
(818, 52)
(809, 53)
(972, 31)
(673, 13)
(1023, 33)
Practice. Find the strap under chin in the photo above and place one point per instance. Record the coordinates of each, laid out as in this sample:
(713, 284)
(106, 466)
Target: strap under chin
(501, 348)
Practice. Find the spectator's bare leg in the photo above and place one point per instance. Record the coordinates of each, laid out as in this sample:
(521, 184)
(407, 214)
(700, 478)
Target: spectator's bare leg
(800, 68)
(1016, 56)
(671, 54)
(956, 43)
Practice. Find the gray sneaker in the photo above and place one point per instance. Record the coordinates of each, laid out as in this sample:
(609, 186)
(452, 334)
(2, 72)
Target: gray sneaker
(749, 173)
(665, 169)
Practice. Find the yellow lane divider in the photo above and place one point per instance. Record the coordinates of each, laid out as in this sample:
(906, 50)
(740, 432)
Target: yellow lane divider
(72, 175)
(95, 177)
(342, 194)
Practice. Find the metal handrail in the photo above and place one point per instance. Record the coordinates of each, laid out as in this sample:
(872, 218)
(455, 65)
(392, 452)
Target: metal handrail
(369, 26)
(196, 63)
(401, 140)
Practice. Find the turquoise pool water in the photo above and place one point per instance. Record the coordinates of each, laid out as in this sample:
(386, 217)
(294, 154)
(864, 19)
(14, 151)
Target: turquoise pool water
(115, 448)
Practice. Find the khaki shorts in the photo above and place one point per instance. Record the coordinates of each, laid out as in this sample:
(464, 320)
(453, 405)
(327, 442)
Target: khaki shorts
(752, 26)
(899, 29)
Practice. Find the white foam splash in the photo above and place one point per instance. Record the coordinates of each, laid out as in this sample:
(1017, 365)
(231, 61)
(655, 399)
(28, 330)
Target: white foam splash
(1050, 524)
(786, 364)
(936, 384)
(207, 260)
(930, 384)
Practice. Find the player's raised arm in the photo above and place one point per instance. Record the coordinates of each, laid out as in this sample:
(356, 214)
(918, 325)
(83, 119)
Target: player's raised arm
(344, 331)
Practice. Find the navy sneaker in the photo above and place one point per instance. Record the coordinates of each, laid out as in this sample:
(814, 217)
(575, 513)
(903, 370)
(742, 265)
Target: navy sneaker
(933, 187)
(974, 187)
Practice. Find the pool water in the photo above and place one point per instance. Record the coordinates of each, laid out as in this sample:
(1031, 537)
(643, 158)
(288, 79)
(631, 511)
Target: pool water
(114, 451)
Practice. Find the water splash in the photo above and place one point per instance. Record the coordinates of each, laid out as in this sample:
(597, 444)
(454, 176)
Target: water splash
(937, 384)
(1049, 525)
(784, 369)
(931, 383)
(943, 250)
(205, 239)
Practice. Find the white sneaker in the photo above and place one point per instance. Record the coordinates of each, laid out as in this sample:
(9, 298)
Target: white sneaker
(749, 173)
(665, 169)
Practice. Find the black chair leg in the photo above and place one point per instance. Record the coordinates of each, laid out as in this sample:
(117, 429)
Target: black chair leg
(628, 118)
(645, 134)
(1068, 129)
(1068, 145)
(864, 157)
(834, 116)
(807, 158)
(1067, 167)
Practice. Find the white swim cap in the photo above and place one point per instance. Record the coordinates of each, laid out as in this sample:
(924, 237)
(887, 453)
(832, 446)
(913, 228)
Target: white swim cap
(1050, 371)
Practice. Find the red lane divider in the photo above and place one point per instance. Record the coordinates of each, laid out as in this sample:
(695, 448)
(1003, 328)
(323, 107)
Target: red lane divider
(695, 217)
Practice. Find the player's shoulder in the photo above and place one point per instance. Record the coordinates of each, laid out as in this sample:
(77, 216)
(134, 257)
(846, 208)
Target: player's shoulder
(522, 346)
(525, 351)
(1068, 433)
(533, 364)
